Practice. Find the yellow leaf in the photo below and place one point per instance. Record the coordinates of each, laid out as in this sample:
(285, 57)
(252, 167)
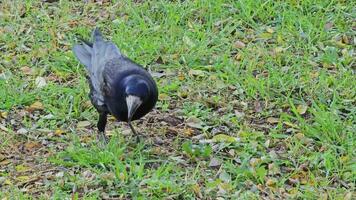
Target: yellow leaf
(7, 182)
(269, 30)
(196, 189)
(22, 168)
(23, 178)
(122, 176)
(58, 132)
(271, 182)
(3, 114)
(31, 145)
(188, 132)
(302, 109)
(272, 120)
(225, 138)
(36, 106)
(163, 96)
(290, 124)
(265, 35)
(255, 161)
(181, 76)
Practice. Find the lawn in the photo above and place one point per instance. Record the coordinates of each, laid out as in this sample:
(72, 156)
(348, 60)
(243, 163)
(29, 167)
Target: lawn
(257, 101)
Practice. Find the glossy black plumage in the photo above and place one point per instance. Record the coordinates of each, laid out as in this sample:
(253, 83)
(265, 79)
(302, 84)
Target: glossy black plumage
(115, 81)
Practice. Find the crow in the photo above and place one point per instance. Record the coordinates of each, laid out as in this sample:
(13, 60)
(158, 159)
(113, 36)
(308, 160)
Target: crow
(118, 85)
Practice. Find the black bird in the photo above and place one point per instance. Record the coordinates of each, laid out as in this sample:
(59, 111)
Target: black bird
(118, 85)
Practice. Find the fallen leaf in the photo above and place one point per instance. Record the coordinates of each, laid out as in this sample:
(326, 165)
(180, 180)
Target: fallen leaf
(224, 176)
(163, 96)
(348, 196)
(255, 161)
(214, 162)
(83, 124)
(278, 50)
(225, 138)
(157, 74)
(4, 128)
(196, 72)
(345, 39)
(3, 115)
(5, 162)
(22, 131)
(257, 105)
(239, 44)
(194, 122)
(290, 124)
(188, 132)
(197, 191)
(22, 168)
(328, 26)
(265, 35)
(58, 132)
(273, 169)
(181, 76)
(188, 41)
(271, 182)
(269, 30)
(26, 70)
(272, 120)
(23, 178)
(302, 109)
(40, 82)
(35, 106)
(7, 182)
(31, 145)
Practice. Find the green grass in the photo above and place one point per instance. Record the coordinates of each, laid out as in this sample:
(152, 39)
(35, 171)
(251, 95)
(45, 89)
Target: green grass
(287, 93)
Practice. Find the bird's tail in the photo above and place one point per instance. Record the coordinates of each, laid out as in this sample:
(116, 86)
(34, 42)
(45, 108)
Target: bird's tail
(97, 36)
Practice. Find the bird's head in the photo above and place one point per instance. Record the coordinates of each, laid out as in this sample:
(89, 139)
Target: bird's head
(130, 97)
(136, 93)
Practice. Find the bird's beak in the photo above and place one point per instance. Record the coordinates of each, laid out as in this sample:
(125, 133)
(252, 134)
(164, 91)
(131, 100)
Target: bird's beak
(132, 102)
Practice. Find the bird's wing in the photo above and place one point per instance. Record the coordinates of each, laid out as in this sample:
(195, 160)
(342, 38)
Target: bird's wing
(97, 56)
(104, 52)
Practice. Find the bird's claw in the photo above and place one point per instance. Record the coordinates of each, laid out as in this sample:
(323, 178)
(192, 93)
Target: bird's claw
(102, 139)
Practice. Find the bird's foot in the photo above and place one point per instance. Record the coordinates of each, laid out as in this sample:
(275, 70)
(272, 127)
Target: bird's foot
(102, 138)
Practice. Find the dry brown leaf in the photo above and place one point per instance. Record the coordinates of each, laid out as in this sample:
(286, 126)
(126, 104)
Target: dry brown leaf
(181, 76)
(5, 162)
(197, 191)
(26, 70)
(214, 162)
(40, 82)
(239, 44)
(4, 114)
(194, 122)
(196, 72)
(163, 96)
(31, 145)
(83, 124)
(271, 183)
(273, 120)
(35, 106)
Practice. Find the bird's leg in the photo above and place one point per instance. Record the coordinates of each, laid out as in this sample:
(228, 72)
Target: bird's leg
(134, 132)
(101, 126)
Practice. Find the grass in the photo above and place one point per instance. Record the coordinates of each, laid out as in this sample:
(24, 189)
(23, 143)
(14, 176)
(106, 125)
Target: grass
(257, 100)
